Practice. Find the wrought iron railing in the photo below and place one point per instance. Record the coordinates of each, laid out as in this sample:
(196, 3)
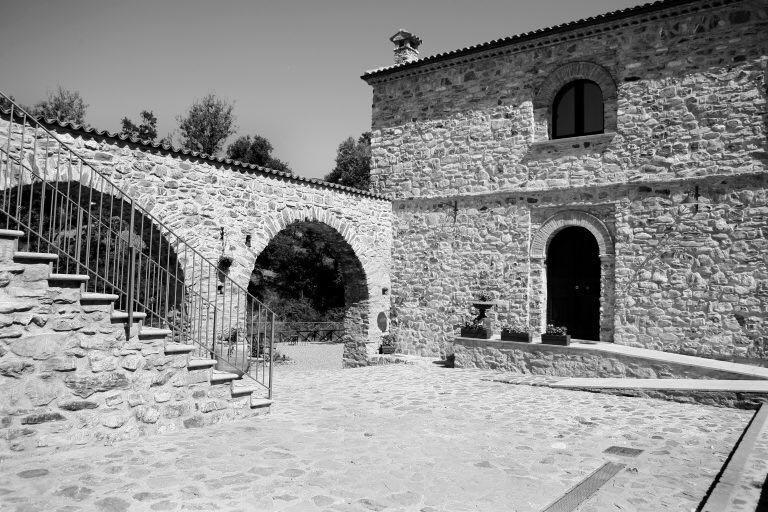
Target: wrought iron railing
(308, 332)
(64, 205)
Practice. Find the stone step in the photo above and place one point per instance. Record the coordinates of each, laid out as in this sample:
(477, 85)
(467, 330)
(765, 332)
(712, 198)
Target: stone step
(38, 257)
(122, 316)
(10, 233)
(178, 348)
(223, 377)
(68, 278)
(196, 364)
(154, 332)
(258, 403)
(245, 388)
(98, 297)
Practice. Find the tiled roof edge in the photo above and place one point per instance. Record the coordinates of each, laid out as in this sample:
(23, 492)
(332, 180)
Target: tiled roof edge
(542, 33)
(145, 144)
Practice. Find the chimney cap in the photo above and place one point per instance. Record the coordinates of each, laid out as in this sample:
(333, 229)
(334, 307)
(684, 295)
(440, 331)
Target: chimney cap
(403, 38)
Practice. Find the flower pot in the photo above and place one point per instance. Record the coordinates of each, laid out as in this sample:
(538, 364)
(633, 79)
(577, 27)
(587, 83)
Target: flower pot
(475, 332)
(556, 339)
(387, 349)
(516, 336)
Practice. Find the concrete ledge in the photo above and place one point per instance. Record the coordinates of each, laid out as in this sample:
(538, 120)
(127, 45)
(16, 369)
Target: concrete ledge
(736, 386)
(604, 360)
(734, 489)
(748, 371)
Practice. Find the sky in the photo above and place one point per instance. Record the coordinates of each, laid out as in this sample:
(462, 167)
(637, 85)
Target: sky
(291, 67)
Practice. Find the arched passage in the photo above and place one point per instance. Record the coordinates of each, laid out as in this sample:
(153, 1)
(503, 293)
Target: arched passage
(310, 275)
(572, 275)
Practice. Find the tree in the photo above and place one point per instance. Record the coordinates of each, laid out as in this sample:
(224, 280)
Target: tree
(146, 130)
(207, 125)
(63, 106)
(353, 163)
(256, 150)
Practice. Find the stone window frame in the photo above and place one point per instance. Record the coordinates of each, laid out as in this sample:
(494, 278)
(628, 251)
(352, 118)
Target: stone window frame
(538, 267)
(544, 97)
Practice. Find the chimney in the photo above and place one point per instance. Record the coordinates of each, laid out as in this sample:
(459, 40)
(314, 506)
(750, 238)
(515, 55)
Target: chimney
(406, 46)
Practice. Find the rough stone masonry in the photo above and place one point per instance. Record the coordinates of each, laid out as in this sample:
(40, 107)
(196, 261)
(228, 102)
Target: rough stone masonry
(674, 189)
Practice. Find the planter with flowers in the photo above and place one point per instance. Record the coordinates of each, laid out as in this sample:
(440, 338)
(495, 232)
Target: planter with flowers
(514, 333)
(472, 329)
(556, 335)
(387, 344)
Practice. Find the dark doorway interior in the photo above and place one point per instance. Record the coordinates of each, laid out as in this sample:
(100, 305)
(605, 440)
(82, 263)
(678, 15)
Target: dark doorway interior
(573, 283)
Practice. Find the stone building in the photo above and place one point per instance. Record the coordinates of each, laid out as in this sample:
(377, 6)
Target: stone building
(608, 174)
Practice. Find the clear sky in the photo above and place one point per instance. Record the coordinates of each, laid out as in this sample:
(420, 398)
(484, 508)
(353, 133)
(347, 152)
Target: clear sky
(292, 67)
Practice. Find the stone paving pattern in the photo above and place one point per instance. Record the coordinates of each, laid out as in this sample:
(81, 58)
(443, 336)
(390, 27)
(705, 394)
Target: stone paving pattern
(395, 437)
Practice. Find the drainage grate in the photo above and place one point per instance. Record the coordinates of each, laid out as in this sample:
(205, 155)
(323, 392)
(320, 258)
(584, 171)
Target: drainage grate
(623, 450)
(586, 488)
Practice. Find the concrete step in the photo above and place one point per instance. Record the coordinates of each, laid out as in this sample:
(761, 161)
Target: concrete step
(37, 257)
(98, 297)
(197, 364)
(68, 278)
(122, 316)
(178, 348)
(223, 377)
(258, 403)
(154, 332)
(10, 233)
(243, 388)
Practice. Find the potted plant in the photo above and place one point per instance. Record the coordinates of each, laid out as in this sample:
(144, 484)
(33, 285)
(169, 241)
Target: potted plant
(556, 335)
(514, 333)
(472, 329)
(387, 344)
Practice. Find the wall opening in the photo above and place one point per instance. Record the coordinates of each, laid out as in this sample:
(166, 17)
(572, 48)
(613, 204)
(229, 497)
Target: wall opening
(573, 282)
(311, 277)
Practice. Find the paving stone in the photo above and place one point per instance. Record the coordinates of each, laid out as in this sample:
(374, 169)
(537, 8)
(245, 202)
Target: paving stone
(442, 439)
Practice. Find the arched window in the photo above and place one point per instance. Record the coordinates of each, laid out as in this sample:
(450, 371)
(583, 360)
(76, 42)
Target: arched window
(577, 110)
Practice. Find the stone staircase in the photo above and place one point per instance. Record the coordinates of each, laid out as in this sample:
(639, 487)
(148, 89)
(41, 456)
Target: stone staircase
(73, 371)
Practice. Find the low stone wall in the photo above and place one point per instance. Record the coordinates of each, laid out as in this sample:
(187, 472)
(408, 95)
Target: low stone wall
(70, 376)
(554, 360)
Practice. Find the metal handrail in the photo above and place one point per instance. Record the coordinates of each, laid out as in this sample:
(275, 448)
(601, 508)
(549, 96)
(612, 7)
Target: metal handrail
(64, 205)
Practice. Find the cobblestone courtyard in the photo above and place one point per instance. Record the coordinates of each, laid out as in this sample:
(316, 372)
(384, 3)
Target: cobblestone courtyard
(398, 437)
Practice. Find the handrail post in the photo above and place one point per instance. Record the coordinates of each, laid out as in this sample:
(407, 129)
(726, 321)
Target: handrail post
(131, 272)
(271, 356)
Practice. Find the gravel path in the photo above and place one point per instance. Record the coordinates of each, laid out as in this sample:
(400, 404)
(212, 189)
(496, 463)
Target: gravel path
(398, 437)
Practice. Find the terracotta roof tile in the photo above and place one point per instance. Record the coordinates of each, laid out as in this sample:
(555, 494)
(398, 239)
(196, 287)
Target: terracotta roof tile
(541, 33)
(94, 132)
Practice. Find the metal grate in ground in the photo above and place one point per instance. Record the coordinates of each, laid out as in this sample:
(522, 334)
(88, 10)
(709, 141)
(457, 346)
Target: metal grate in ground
(623, 450)
(586, 488)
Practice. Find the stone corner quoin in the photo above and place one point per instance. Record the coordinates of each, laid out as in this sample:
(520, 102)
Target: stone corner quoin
(674, 191)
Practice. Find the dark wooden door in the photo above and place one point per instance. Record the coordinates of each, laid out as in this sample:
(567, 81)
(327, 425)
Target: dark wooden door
(573, 283)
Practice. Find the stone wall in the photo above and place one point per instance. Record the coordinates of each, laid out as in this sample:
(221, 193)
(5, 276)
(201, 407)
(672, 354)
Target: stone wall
(197, 197)
(69, 375)
(677, 183)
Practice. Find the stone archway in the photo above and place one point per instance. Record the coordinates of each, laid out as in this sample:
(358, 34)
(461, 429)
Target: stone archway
(366, 302)
(538, 270)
